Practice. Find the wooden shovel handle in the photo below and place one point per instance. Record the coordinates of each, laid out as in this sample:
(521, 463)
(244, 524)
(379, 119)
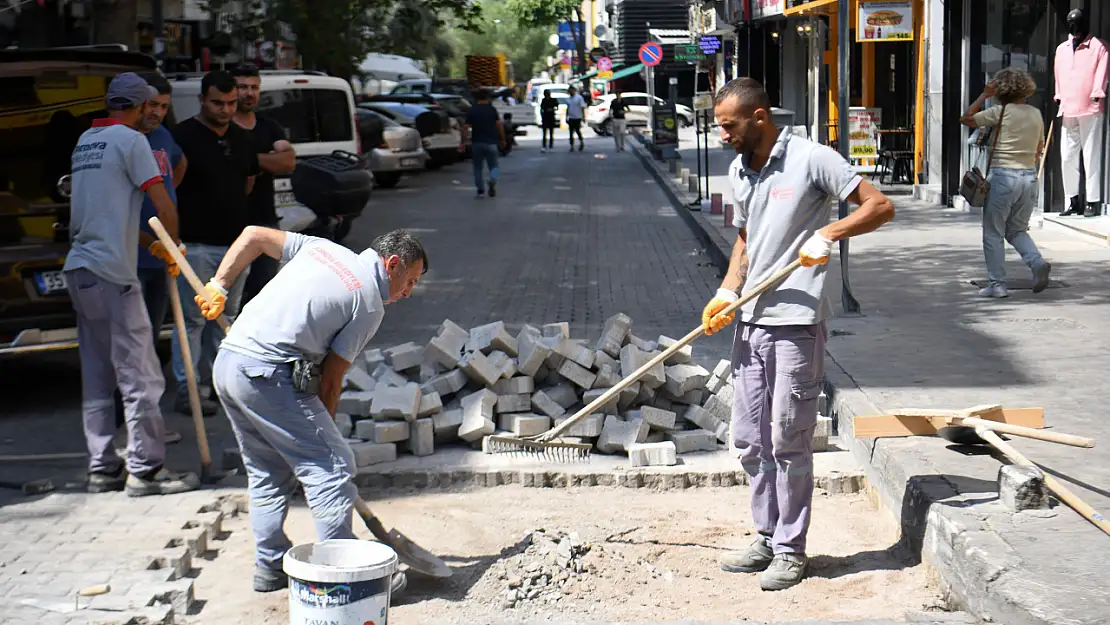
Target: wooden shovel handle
(186, 268)
(190, 372)
(1018, 430)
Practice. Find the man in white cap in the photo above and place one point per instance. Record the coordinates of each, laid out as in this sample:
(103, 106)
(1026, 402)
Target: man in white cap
(112, 168)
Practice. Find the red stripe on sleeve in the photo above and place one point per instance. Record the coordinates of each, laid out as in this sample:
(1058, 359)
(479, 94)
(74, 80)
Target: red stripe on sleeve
(149, 183)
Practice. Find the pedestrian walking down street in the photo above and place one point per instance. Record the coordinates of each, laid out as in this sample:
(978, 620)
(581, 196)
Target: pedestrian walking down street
(576, 112)
(112, 168)
(1012, 176)
(483, 126)
(275, 157)
(214, 206)
(549, 109)
(280, 371)
(617, 109)
(781, 187)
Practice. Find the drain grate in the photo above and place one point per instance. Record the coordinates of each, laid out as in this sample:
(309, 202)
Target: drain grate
(1020, 284)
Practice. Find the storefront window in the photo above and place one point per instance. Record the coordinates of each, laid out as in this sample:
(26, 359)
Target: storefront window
(1013, 33)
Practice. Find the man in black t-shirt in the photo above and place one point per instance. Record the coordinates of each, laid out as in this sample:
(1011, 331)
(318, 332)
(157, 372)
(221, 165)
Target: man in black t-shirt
(213, 208)
(275, 156)
(484, 126)
(617, 109)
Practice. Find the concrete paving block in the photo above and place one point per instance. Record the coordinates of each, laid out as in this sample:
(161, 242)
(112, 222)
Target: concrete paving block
(653, 454)
(355, 402)
(628, 396)
(515, 385)
(345, 424)
(367, 454)
(503, 362)
(430, 403)
(715, 384)
(476, 426)
(564, 393)
(694, 397)
(688, 441)
(681, 357)
(821, 433)
(477, 415)
(446, 383)
(397, 402)
(513, 403)
(404, 357)
(681, 379)
(477, 367)
(601, 359)
(701, 417)
(574, 372)
(723, 368)
(445, 350)
(656, 436)
(386, 376)
(632, 358)
(590, 426)
(560, 330)
(382, 431)
(479, 402)
(446, 424)
(543, 403)
(641, 344)
(532, 351)
(726, 394)
(421, 440)
(427, 372)
(358, 379)
(718, 408)
(492, 336)
(608, 375)
(554, 359)
(618, 435)
(524, 424)
(613, 334)
(663, 403)
(371, 358)
(655, 418)
(450, 328)
(575, 351)
(645, 394)
(1022, 488)
(609, 407)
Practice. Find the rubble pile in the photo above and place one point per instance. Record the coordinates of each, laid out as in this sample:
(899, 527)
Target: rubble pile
(463, 385)
(542, 573)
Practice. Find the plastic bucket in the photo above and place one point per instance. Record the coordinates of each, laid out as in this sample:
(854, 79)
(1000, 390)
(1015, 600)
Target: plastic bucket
(339, 582)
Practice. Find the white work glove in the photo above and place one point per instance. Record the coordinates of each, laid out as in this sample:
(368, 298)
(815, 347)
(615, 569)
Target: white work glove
(816, 250)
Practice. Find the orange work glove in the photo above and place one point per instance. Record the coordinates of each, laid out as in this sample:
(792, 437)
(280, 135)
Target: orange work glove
(816, 250)
(159, 251)
(712, 318)
(216, 297)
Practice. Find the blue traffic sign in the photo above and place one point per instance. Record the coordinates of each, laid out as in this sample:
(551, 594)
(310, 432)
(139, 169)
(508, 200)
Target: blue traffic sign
(605, 64)
(651, 54)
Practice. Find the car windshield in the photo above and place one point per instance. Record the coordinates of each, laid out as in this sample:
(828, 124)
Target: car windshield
(401, 110)
(386, 120)
(309, 115)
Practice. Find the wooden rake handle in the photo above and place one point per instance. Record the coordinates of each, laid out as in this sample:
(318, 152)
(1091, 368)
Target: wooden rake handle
(186, 268)
(608, 395)
(1018, 430)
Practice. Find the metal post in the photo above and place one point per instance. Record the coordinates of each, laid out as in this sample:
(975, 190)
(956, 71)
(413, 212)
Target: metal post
(697, 142)
(844, 89)
(158, 26)
(706, 125)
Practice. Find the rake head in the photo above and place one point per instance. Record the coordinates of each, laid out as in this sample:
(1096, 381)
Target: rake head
(552, 451)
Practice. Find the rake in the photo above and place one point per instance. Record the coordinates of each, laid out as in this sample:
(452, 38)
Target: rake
(548, 445)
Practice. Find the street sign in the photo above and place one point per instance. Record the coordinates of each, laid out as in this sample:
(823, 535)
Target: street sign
(605, 64)
(605, 74)
(703, 101)
(651, 54)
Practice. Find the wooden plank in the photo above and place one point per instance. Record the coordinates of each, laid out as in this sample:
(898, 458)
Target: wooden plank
(910, 422)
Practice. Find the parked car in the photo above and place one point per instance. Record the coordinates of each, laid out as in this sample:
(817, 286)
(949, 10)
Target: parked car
(439, 131)
(317, 112)
(599, 117)
(390, 149)
(49, 97)
(453, 86)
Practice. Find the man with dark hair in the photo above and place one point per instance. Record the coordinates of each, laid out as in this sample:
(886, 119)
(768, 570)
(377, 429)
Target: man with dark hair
(484, 126)
(576, 112)
(782, 186)
(549, 109)
(113, 168)
(275, 156)
(280, 371)
(617, 109)
(214, 208)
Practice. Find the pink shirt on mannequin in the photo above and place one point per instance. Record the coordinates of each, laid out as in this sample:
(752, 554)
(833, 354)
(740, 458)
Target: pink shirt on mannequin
(1081, 76)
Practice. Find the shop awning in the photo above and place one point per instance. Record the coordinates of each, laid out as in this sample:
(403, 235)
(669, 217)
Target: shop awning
(815, 7)
(628, 71)
(590, 74)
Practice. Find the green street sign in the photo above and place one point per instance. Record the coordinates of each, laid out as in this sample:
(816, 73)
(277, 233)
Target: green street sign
(687, 52)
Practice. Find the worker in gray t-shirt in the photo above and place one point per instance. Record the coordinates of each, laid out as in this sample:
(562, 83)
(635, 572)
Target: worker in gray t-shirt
(782, 186)
(316, 315)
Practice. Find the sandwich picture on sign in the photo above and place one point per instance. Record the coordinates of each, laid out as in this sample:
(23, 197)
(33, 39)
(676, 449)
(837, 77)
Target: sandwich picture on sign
(884, 18)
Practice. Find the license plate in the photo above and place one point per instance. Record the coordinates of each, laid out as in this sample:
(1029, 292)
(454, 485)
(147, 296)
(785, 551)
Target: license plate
(409, 162)
(284, 198)
(50, 282)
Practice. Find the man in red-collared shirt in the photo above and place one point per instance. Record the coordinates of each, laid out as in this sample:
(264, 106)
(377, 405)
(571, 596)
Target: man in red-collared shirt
(112, 167)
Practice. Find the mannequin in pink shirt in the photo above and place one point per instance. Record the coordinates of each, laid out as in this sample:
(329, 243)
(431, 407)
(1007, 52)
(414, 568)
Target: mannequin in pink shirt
(1081, 73)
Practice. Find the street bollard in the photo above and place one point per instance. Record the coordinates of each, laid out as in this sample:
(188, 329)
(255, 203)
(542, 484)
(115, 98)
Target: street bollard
(692, 184)
(684, 176)
(728, 215)
(716, 201)
(674, 165)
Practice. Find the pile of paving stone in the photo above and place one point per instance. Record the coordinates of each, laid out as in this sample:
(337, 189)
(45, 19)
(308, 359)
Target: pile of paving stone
(464, 385)
(548, 564)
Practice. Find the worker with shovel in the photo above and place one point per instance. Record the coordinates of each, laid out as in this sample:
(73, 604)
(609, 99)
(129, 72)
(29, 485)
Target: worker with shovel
(280, 370)
(782, 186)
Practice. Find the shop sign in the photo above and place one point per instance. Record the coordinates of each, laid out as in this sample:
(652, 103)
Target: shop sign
(664, 130)
(687, 52)
(767, 8)
(709, 45)
(885, 21)
(863, 132)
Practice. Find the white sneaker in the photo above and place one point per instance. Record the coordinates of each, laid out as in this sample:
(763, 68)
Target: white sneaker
(997, 291)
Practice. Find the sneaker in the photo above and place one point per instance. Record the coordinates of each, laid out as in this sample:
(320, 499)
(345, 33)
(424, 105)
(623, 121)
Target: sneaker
(581, 146)
(106, 482)
(269, 580)
(480, 194)
(207, 406)
(1040, 277)
(163, 482)
(786, 570)
(997, 291)
(572, 147)
(492, 189)
(755, 558)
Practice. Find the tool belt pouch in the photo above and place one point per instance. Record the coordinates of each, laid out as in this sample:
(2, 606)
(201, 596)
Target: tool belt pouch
(306, 376)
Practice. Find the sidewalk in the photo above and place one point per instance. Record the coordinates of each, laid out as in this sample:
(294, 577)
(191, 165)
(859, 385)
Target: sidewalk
(927, 341)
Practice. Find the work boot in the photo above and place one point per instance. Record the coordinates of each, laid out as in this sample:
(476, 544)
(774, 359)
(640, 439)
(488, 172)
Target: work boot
(106, 482)
(581, 146)
(269, 580)
(754, 559)
(161, 482)
(786, 570)
(997, 291)
(493, 188)
(207, 406)
(1040, 277)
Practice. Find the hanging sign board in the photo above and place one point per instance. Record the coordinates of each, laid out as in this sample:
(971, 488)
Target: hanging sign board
(703, 102)
(863, 131)
(884, 21)
(767, 8)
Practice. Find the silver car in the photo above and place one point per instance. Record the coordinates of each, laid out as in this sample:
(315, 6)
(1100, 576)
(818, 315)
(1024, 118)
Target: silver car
(390, 151)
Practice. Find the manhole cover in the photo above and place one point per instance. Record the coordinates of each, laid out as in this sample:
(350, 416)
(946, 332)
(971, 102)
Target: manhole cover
(1021, 284)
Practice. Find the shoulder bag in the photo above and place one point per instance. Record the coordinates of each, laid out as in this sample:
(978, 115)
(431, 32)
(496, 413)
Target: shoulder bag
(975, 187)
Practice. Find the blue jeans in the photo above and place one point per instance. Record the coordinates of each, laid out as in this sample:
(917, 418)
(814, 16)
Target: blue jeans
(204, 336)
(1009, 206)
(484, 154)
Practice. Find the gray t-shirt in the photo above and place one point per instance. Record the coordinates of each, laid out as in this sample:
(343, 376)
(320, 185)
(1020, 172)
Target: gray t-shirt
(782, 206)
(112, 167)
(325, 297)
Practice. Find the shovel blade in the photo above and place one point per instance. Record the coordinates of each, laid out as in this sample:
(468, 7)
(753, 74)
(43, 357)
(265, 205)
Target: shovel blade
(418, 558)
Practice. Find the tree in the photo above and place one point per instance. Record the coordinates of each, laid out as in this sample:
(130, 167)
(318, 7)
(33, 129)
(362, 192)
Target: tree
(525, 46)
(550, 13)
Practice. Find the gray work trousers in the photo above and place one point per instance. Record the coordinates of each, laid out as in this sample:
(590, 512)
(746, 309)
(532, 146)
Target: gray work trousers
(116, 347)
(285, 437)
(777, 373)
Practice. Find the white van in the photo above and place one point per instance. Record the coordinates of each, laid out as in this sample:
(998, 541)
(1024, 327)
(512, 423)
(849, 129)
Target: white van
(317, 112)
